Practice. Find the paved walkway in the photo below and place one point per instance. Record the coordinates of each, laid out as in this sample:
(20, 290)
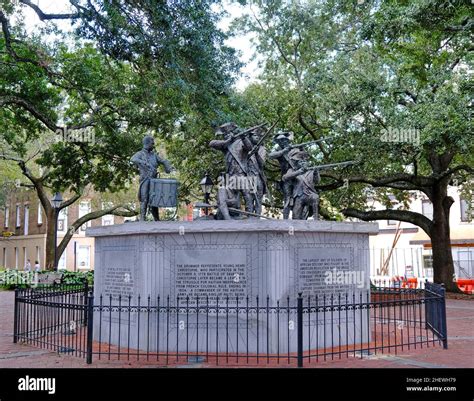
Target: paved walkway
(460, 315)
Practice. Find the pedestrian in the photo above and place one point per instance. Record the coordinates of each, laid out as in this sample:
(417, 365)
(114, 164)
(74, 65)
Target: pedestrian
(28, 265)
(37, 266)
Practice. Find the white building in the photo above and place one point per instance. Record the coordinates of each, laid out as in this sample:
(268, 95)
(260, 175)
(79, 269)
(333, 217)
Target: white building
(403, 249)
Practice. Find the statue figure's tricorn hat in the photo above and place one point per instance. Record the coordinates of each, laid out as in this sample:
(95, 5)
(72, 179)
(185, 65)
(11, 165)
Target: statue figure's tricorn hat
(226, 128)
(288, 135)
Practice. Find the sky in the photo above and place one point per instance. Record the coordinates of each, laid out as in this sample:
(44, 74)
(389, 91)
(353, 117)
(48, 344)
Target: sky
(242, 43)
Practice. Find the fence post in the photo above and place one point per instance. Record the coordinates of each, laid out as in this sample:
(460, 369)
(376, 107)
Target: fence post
(299, 314)
(90, 326)
(15, 318)
(86, 295)
(442, 307)
(429, 314)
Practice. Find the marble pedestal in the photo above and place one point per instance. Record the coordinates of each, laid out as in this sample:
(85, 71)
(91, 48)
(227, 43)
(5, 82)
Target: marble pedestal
(218, 262)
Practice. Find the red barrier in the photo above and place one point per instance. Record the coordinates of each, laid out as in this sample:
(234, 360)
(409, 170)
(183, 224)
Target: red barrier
(466, 285)
(411, 282)
(403, 282)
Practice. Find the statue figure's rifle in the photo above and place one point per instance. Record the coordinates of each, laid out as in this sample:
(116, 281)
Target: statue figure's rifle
(331, 165)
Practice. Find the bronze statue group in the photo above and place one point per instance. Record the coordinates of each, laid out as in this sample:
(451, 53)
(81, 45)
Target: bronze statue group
(244, 178)
(245, 156)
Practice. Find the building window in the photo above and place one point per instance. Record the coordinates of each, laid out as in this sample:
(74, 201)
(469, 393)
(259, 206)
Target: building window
(427, 209)
(84, 208)
(108, 219)
(464, 265)
(428, 265)
(7, 216)
(62, 261)
(428, 261)
(38, 256)
(83, 256)
(26, 220)
(16, 258)
(466, 214)
(62, 220)
(18, 216)
(4, 258)
(40, 214)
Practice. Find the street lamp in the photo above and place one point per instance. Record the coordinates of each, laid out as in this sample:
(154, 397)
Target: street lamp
(56, 204)
(206, 185)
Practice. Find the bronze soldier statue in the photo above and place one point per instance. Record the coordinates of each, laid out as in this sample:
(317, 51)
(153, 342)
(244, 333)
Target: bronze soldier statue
(148, 161)
(256, 165)
(283, 155)
(228, 201)
(235, 146)
(305, 196)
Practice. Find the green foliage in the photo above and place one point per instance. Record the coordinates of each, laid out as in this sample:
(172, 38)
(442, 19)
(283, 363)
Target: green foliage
(114, 79)
(70, 277)
(9, 176)
(12, 278)
(353, 71)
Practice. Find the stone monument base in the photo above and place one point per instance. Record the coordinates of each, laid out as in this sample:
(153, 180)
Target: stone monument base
(230, 263)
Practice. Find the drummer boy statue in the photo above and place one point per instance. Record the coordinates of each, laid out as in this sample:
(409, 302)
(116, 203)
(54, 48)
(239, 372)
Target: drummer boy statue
(148, 161)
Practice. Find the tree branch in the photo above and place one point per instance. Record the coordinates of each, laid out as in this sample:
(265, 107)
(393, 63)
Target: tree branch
(35, 112)
(406, 182)
(280, 50)
(453, 170)
(32, 109)
(312, 133)
(388, 214)
(70, 201)
(91, 216)
(44, 16)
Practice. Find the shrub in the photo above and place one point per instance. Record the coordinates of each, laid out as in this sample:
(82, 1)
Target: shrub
(12, 278)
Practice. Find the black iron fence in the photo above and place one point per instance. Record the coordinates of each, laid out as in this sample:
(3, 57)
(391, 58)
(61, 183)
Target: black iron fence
(230, 331)
(52, 317)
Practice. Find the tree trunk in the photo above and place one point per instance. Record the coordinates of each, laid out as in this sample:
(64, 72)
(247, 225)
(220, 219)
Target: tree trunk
(50, 237)
(443, 265)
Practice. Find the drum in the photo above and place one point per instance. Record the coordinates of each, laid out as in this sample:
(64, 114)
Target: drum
(163, 192)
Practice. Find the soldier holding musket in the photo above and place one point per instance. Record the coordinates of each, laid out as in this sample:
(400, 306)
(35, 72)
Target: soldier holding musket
(304, 194)
(284, 157)
(283, 140)
(304, 177)
(257, 157)
(236, 146)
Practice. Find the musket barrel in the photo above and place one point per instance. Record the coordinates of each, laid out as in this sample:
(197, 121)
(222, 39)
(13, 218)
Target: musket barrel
(256, 146)
(324, 166)
(298, 145)
(249, 130)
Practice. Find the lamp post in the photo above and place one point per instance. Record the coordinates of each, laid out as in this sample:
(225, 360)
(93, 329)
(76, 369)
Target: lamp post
(206, 185)
(56, 204)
